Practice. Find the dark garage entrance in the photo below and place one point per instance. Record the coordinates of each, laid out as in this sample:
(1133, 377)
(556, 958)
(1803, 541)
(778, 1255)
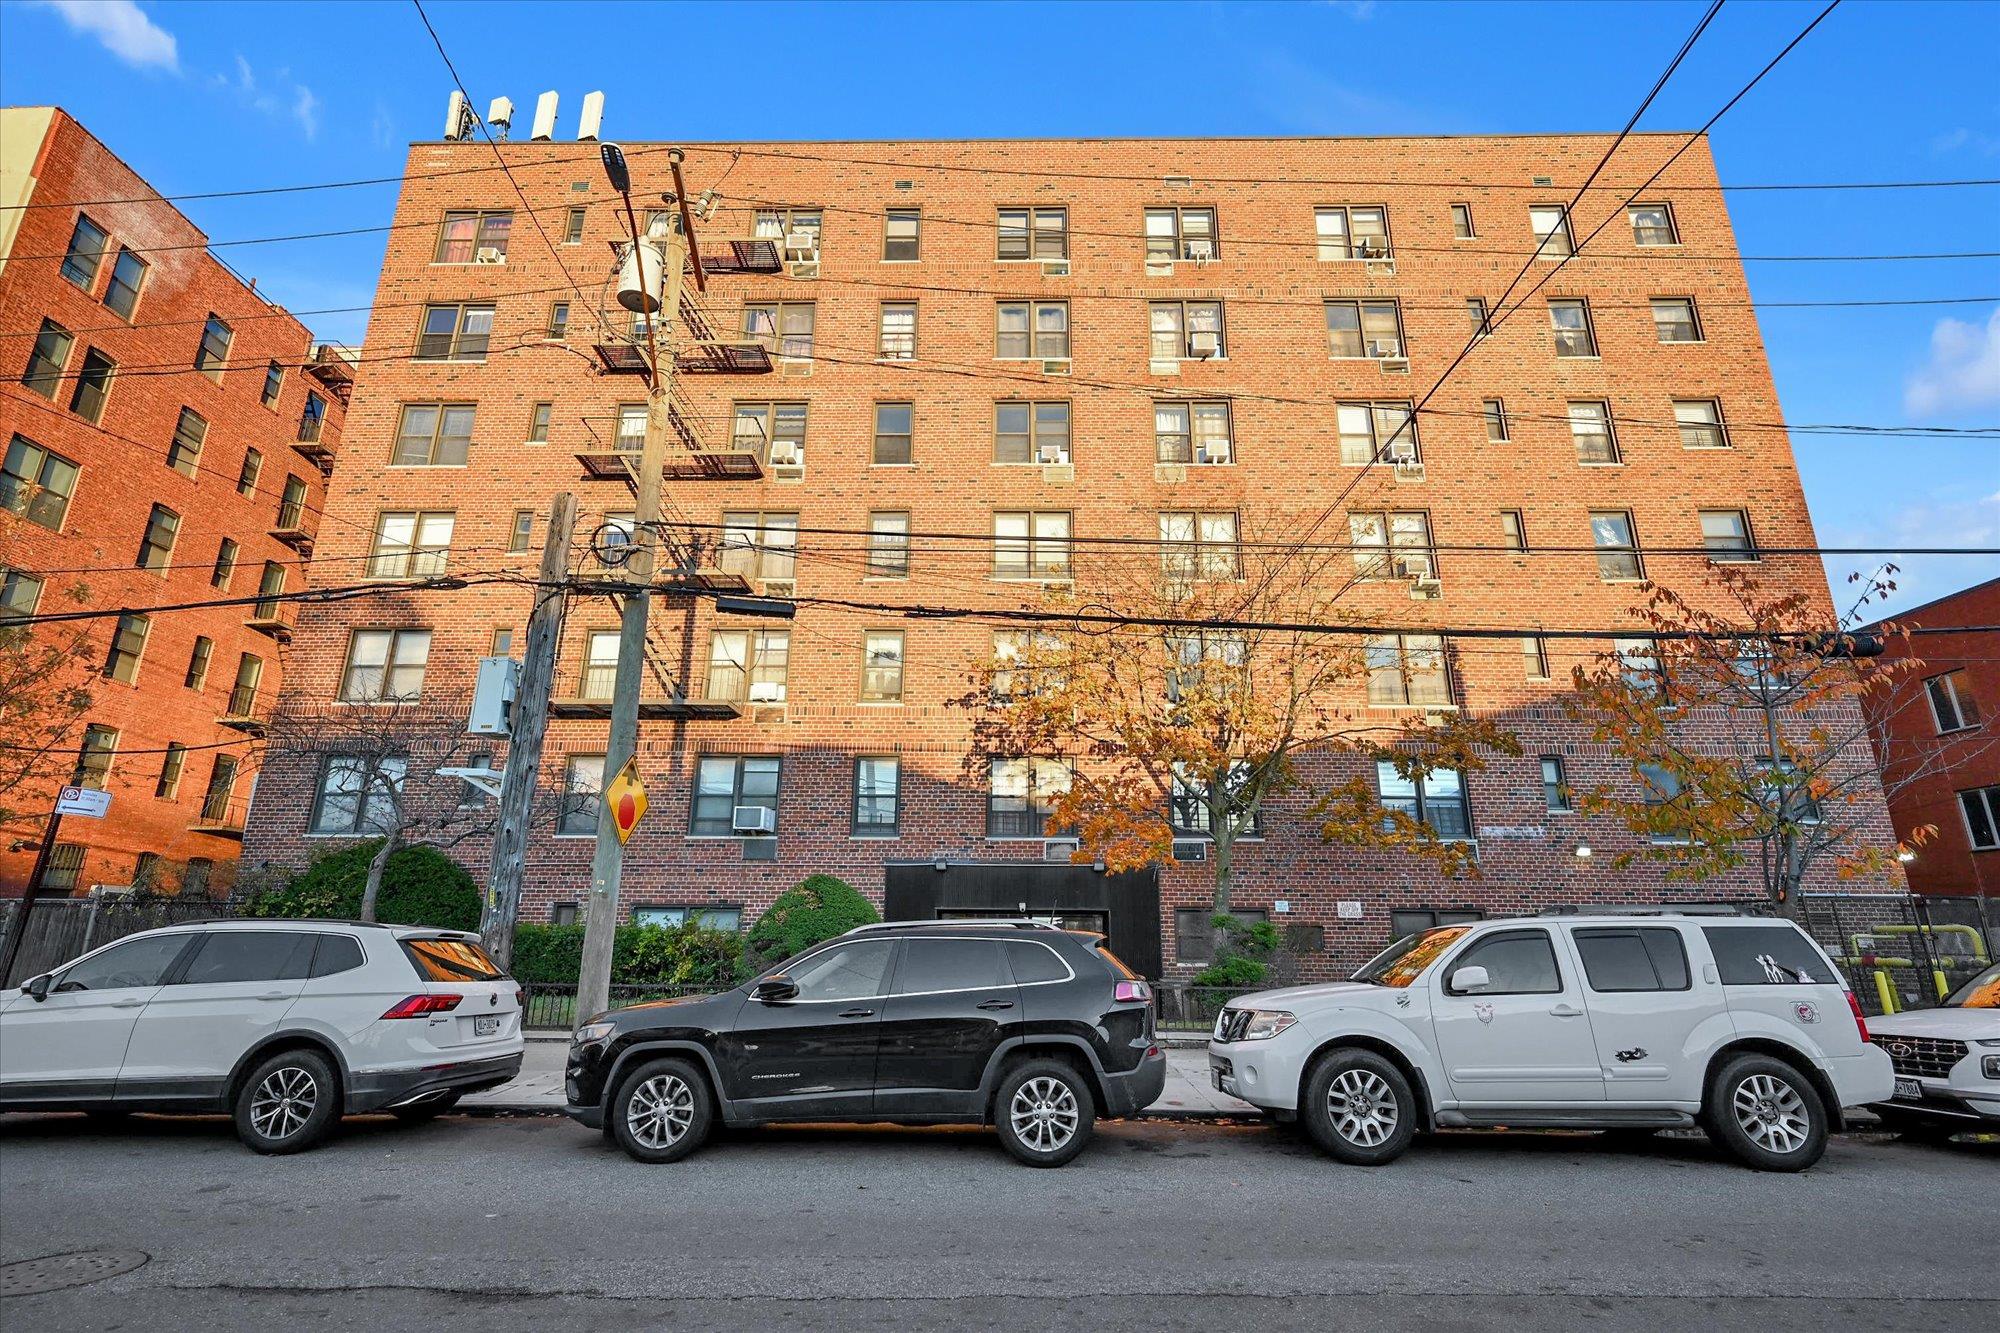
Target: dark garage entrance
(1126, 908)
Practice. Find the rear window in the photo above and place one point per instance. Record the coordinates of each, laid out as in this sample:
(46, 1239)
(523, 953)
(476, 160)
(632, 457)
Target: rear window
(1766, 956)
(1035, 962)
(451, 960)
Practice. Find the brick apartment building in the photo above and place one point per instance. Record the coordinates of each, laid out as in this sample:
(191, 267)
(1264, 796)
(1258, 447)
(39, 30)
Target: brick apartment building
(167, 432)
(982, 356)
(1940, 759)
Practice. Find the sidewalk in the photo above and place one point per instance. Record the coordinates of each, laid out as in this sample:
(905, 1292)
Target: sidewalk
(539, 1088)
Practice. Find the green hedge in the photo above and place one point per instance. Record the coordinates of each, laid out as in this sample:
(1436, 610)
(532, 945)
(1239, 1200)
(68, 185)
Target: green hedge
(421, 886)
(685, 955)
(814, 910)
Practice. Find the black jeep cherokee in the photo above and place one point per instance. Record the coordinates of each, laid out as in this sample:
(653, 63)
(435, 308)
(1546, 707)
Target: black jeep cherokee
(1034, 1030)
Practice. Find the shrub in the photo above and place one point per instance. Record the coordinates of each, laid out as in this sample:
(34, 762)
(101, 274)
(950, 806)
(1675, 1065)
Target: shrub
(421, 886)
(811, 912)
(1242, 959)
(686, 955)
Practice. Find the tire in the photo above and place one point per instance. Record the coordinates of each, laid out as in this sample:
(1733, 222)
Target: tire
(422, 1111)
(1359, 1107)
(1766, 1114)
(1044, 1113)
(288, 1103)
(661, 1112)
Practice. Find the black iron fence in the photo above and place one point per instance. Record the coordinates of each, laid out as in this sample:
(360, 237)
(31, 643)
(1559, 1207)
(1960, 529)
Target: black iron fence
(553, 1006)
(1192, 1010)
(59, 929)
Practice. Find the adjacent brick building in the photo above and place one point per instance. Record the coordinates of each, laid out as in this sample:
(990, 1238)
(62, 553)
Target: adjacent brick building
(979, 358)
(166, 433)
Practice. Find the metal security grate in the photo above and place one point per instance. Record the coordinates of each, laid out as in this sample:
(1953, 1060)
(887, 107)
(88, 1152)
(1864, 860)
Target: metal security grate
(1922, 1057)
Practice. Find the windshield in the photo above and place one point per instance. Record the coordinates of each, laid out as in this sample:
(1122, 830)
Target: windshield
(1400, 963)
(1982, 992)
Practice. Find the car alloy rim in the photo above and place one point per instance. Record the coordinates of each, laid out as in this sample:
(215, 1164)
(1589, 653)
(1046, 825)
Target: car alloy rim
(1044, 1113)
(283, 1102)
(660, 1111)
(1363, 1107)
(1772, 1113)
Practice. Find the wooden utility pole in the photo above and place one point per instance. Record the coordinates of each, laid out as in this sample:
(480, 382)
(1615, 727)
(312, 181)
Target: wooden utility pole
(530, 721)
(10, 949)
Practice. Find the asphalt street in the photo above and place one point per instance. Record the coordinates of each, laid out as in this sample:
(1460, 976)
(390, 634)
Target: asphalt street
(519, 1223)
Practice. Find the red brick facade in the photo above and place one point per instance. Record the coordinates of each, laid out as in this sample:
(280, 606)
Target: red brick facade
(85, 552)
(1277, 375)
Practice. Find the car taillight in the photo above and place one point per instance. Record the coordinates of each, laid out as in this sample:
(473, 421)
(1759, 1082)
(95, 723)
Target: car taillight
(420, 1006)
(1134, 991)
(521, 998)
(1860, 1022)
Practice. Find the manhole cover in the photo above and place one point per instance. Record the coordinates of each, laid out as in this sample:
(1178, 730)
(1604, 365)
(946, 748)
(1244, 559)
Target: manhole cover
(54, 1272)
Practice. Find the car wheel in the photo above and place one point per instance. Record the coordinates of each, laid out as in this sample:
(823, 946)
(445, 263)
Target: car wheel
(1044, 1112)
(288, 1103)
(422, 1111)
(1359, 1107)
(1767, 1114)
(661, 1111)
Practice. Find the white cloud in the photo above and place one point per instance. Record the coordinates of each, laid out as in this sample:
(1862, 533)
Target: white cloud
(1963, 373)
(276, 94)
(123, 29)
(1986, 145)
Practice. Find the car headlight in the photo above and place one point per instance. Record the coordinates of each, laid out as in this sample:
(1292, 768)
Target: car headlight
(1990, 1067)
(590, 1032)
(1986, 1041)
(1266, 1023)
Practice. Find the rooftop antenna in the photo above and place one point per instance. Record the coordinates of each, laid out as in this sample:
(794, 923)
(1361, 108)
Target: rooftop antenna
(500, 114)
(591, 123)
(458, 119)
(545, 116)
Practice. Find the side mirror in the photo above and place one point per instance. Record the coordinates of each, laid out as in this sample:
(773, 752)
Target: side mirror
(774, 988)
(37, 988)
(1470, 979)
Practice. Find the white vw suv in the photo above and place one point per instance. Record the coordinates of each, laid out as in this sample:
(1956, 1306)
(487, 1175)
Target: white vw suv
(284, 1025)
(1740, 1025)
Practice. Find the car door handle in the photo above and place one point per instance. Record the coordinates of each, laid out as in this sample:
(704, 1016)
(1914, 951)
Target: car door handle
(275, 995)
(127, 1004)
(857, 1013)
(1567, 1011)
(996, 1004)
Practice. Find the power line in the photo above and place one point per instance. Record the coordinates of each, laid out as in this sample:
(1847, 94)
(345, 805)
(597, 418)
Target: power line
(347, 592)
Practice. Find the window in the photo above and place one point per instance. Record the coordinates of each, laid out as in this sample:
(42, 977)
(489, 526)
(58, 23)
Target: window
(249, 955)
(1194, 930)
(1674, 319)
(93, 385)
(538, 422)
(226, 552)
(274, 384)
(844, 972)
(628, 432)
(522, 531)
(311, 418)
(1517, 962)
(1570, 319)
(748, 665)
(472, 237)
(557, 327)
(1550, 223)
(246, 476)
(84, 253)
(600, 665)
(1513, 530)
(502, 642)
(198, 659)
(1376, 432)
(36, 484)
(356, 794)
(128, 965)
(410, 544)
(882, 666)
(760, 547)
(1031, 545)
(1766, 956)
(1414, 920)
(778, 223)
(900, 234)
(93, 758)
(1725, 534)
(899, 330)
(583, 781)
(573, 227)
(1187, 805)
(1461, 222)
(888, 546)
(1660, 788)
(1495, 412)
(1617, 548)
(1187, 330)
(1555, 784)
(212, 356)
(1407, 670)
(932, 966)
(1952, 706)
(156, 547)
(1031, 330)
(19, 594)
(1534, 657)
(456, 332)
(1475, 312)
(1033, 433)
(1204, 660)
(784, 328)
(563, 914)
(65, 868)
(184, 454)
(1034, 233)
(1192, 432)
(1199, 545)
(1436, 799)
(1590, 428)
(433, 435)
(1364, 329)
(1180, 233)
(729, 919)
(1981, 806)
(47, 358)
(1352, 233)
(270, 587)
(877, 793)
(1033, 963)
(171, 768)
(894, 431)
(724, 782)
(385, 665)
(243, 694)
(1394, 544)
(128, 644)
(1021, 793)
(1041, 649)
(1638, 663)
(1700, 422)
(774, 429)
(1653, 224)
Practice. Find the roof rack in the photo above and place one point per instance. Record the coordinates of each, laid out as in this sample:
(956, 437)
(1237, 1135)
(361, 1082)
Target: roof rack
(1013, 922)
(1674, 909)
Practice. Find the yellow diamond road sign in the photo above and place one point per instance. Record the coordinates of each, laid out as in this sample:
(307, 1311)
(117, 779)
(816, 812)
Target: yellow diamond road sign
(627, 798)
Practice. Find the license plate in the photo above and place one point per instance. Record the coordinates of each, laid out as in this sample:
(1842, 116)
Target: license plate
(1910, 1088)
(485, 1025)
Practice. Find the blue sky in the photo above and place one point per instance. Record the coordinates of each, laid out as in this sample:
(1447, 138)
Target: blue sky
(215, 96)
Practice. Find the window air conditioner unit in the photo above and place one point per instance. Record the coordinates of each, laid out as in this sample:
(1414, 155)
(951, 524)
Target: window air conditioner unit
(1056, 367)
(802, 246)
(796, 367)
(1055, 268)
(1201, 252)
(1159, 268)
(1190, 849)
(1409, 469)
(1059, 849)
(1205, 343)
(1205, 456)
(766, 692)
(803, 268)
(1384, 347)
(780, 587)
(1048, 454)
(1410, 567)
(1170, 472)
(1425, 587)
(487, 254)
(753, 819)
(785, 453)
(1164, 366)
